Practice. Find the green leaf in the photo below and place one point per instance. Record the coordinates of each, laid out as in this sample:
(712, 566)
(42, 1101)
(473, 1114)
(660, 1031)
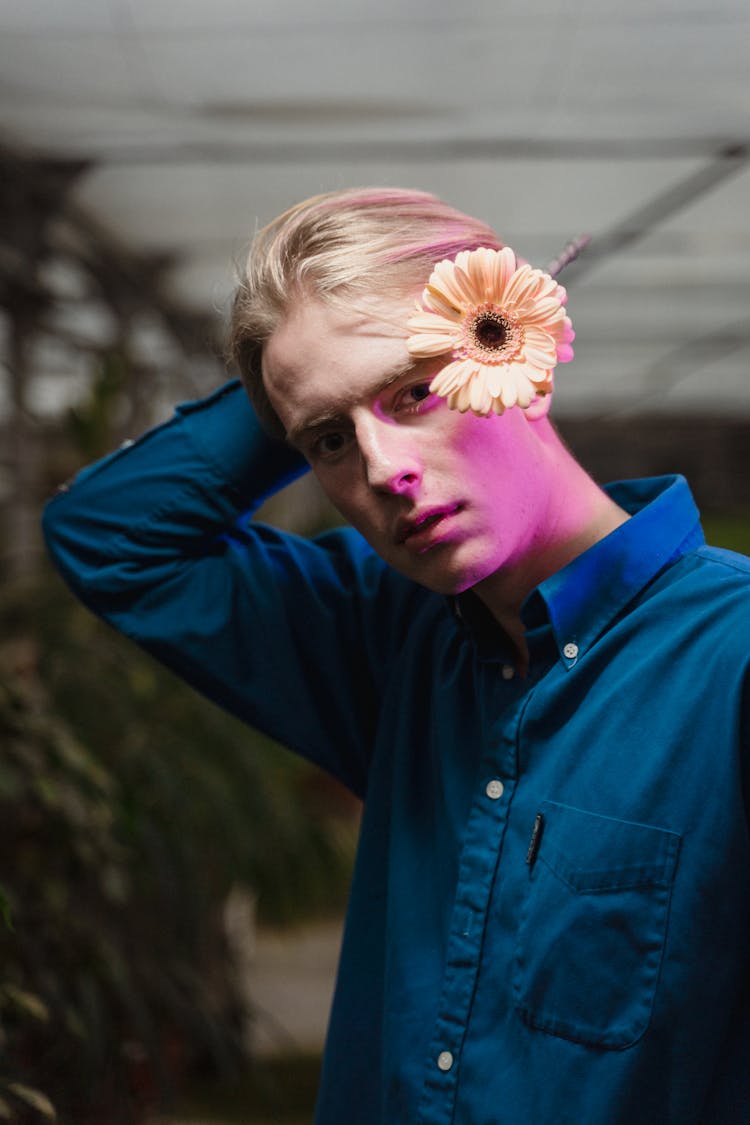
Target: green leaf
(35, 1098)
(28, 1002)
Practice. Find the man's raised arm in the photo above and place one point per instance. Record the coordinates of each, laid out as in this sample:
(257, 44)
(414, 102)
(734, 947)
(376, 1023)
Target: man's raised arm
(279, 630)
(124, 522)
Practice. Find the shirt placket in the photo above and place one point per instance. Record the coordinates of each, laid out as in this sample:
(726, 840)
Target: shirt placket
(482, 849)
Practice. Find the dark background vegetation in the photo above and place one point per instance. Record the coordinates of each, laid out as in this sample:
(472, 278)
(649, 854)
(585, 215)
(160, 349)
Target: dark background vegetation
(130, 809)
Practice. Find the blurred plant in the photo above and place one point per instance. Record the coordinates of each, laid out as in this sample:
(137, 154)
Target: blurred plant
(130, 807)
(93, 424)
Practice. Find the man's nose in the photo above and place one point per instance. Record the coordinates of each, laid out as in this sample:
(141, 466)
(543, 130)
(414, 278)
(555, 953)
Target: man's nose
(389, 455)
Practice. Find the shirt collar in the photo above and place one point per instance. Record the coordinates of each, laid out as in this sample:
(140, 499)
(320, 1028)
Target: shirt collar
(591, 591)
(585, 596)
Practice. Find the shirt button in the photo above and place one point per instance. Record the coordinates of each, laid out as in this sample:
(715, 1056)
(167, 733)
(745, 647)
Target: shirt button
(445, 1060)
(495, 789)
(507, 671)
(570, 651)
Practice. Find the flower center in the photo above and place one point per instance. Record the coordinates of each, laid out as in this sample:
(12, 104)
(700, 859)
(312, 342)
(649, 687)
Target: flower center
(491, 331)
(491, 335)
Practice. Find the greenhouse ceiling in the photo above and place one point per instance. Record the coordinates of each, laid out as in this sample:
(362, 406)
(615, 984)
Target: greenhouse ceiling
(195, 122)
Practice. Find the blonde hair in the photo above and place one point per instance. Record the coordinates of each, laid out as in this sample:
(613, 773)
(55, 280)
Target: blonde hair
(340, 246)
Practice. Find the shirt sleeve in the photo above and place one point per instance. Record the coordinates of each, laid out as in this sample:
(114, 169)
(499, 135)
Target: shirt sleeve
(292, 635)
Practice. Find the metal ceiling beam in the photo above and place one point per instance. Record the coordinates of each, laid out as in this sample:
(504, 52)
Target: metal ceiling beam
(415, 149)
(645, 219)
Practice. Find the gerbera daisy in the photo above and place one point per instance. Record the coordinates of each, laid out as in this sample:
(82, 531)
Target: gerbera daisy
(504, 325)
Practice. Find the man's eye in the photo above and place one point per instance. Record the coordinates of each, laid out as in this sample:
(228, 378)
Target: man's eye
(414, 399)
(420, 391)
(328, 445)
(411, 398)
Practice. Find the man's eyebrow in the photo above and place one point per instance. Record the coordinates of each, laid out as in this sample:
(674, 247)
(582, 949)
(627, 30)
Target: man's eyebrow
(297, 434)
(336, 414)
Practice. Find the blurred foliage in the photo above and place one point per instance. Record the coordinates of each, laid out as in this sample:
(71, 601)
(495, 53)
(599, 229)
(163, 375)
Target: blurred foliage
(130, 807)
(282, 1090)
(92, 424)
(727, 530)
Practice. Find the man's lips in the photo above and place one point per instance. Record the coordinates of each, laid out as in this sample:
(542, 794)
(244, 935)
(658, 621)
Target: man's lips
(422, 522)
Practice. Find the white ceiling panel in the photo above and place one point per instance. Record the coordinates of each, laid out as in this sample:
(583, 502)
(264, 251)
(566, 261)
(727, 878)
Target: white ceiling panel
(202, 118)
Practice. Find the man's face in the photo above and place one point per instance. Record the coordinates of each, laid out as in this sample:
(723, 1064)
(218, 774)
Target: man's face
(445, 498)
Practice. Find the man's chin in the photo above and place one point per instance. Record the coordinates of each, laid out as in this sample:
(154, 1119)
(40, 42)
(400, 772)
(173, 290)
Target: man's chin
(432, 577)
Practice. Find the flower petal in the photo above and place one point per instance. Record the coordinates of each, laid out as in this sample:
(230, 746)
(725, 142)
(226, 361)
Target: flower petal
(479, 397)
(496, 376)
(539, 335)
(537, 311)
(539, 349)
(521, 285)
(509, 392)
(540, 360)
(451, 281)
(426, 346)
(462, 399)
(540, 380)
(452, 376)
(426, 321)
(505, 267)
(435, 301)
(472, 287)
(480, 267)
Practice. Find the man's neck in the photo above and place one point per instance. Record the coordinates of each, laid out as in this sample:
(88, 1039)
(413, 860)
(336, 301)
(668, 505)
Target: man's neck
(585, 516)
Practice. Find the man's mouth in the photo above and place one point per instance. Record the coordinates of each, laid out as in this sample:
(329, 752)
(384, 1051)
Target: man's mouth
(423, 523)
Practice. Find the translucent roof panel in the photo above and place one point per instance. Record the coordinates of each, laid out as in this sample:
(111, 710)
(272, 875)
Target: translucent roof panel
(546, 117)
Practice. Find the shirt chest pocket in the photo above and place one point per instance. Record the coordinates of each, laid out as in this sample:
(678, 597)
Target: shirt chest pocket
(593, 926)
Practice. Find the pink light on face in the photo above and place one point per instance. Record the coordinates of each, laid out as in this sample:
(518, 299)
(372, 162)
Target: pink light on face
(399, 454)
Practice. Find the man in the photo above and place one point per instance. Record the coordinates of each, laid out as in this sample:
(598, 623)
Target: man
(538, 687)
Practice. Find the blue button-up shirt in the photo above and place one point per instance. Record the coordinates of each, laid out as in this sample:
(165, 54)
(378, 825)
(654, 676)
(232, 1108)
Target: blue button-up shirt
(549, 912)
